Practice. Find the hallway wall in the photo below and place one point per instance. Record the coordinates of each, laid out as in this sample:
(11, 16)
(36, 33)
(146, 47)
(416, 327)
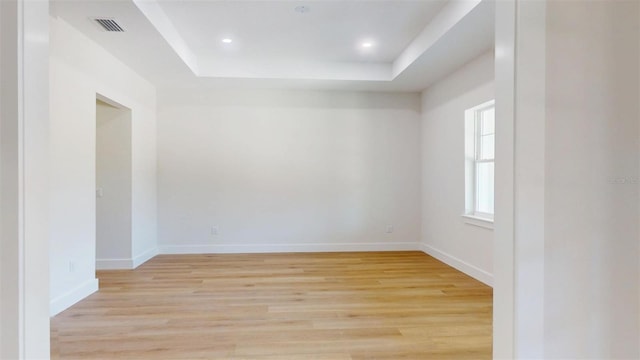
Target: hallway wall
(79, 71)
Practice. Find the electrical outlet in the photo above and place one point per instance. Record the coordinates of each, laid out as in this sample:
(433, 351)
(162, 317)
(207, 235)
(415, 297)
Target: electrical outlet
(390, 229)
(214, 230)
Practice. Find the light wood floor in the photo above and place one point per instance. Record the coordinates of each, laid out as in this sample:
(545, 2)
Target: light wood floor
(333, 306)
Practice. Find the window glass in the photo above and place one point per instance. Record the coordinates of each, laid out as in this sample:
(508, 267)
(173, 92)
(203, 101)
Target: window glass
(479, 160)
(487, 147)
(484, 187)
(486, 136)
(488, 121)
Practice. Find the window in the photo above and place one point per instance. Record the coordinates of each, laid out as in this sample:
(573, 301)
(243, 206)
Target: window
(479, 161)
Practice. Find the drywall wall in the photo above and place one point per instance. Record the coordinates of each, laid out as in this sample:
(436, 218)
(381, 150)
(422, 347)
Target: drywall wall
(567, 261)
(446, 235)
(113, 182)
(287, 171)
(591, 199)
(3, 272)
(24, 136)
(79, 71)
(504, 299)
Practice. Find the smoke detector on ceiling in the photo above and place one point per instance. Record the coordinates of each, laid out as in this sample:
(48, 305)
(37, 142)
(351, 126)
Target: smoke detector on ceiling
(108, 24)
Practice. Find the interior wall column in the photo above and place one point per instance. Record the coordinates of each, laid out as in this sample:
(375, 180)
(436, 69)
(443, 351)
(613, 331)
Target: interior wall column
(519, 243)
(24, 209)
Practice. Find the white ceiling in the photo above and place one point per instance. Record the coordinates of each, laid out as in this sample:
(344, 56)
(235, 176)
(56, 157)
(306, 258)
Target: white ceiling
(178, 43)
(331, 31)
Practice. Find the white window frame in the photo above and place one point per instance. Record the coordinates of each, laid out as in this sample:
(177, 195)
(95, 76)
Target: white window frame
(472, 143)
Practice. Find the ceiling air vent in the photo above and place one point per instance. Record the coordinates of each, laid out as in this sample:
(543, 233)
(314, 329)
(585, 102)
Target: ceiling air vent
(109, 24)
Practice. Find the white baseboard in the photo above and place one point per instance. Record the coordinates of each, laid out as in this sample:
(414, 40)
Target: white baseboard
(66, 300)
(144, 257)
(465, 267)
(126, 264)
(284, 248)
(114, 264)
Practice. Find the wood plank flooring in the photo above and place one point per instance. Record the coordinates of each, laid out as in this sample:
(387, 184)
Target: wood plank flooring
(322, 306)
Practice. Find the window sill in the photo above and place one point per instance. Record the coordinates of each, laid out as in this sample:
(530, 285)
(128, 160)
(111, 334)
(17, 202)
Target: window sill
(478, 221)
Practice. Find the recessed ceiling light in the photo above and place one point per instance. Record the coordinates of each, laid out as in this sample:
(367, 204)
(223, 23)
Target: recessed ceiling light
(367, 44)
(227, 41)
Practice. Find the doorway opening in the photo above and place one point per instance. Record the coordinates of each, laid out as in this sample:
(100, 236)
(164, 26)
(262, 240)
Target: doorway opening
(113, 185)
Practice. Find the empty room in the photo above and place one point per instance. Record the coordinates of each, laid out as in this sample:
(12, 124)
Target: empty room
(329, 180)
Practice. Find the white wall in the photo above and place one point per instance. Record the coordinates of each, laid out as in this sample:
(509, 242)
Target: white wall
(445, 234)
(568, 289)
(113, 179)
(80, 69)
(288, 171)
(504, 299)
(5, 300)
(24, 136)
(591, 216)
